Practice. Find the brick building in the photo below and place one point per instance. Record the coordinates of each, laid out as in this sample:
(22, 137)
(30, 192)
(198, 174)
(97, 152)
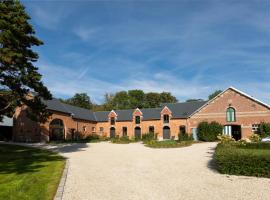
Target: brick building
(238, 112)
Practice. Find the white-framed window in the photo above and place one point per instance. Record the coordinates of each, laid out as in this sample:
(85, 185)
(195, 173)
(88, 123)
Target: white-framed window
(255, 128)
(93, 129)
(166, 118)
(101, 129)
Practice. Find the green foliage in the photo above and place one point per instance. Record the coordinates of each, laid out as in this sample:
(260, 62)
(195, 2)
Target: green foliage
(209, 131)
(214, 94)
(18, 76)
(135, 99)
(81, 100)
(185, 137)
(255, 138)
(251, 159)
(121, 140)
(264, 129)
(167, 144)
(225, 138)
(148, 136)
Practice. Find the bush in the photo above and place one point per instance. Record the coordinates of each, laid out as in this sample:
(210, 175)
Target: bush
(264, 129)
(225, 138)
(92, 136)
(255, 138)
(209, 131)
(167, 144)
(185, 137)
(251, 159)
(148, 136)
(121, 140)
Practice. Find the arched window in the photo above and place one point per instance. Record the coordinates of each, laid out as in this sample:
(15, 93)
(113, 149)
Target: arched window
(231, 115)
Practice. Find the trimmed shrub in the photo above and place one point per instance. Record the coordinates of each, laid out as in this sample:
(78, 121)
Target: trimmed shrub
(167, 144)
(121, 140)
(209, 131)
(148, 136)
(251, 159)
(185, 137)
(255, 138)
(225, 138)
(264, 129)
(92, 136)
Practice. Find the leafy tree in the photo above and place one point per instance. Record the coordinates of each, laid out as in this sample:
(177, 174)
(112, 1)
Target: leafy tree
(214, 94)
(121, 100)
(81, 100)
(108, 102)
(167, 97)
(136, 98)
(209, 131)
(152, 100)
(19, 78)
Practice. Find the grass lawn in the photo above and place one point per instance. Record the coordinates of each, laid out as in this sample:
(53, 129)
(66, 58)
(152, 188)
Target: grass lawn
(29, 173)
(167, 144)
(251, 159)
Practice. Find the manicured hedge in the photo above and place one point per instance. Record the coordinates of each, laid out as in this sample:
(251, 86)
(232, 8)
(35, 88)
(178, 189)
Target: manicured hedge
(167, 144)
(251, 159)
(209, 131)
(264, 129)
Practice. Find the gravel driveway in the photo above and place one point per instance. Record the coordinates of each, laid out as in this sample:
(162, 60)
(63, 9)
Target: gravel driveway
(131, 171)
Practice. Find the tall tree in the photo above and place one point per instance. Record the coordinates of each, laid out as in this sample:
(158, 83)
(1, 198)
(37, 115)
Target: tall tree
(121, 100)
(167, 97)
(108, 102)
(214, 94)
(152, 100)
(81, 100)
(136, 98)
(18, 75)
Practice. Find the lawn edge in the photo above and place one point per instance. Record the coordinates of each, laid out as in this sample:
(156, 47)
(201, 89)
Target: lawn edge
(61, 185)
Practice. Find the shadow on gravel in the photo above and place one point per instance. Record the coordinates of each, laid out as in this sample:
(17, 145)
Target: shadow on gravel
(212, 163)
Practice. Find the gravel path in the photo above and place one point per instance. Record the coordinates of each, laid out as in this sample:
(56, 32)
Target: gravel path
(105, 171)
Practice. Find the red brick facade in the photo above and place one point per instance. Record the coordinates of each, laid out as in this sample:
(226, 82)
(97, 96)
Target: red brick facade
(247, 113)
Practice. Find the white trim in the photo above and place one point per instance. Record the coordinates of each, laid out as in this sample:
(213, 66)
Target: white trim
(230, 88)
(137, 109)
(164, 108)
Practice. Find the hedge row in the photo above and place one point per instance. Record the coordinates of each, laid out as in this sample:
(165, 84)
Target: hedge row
(249, 159)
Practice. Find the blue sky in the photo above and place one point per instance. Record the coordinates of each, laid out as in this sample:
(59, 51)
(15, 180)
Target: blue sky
(189, 48)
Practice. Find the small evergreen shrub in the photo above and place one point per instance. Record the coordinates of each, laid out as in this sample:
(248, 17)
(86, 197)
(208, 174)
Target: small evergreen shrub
(185, 137)
(264, 129)
(167, 144)
(209, 131)
(148, 136)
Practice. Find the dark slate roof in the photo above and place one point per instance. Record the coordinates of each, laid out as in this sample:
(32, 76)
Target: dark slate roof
(102, 116)
(179, 110)
(76, 112)
(151, 113)
(184, 110)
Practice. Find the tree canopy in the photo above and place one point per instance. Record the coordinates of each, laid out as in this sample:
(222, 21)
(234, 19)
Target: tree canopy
(214, 94)
(18, 75)
(81, 100)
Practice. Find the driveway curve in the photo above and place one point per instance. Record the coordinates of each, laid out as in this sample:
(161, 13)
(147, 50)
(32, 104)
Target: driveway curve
(105, 171)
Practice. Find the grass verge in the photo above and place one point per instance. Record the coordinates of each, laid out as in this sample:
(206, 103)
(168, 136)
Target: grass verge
(250, 159)
(29, 173)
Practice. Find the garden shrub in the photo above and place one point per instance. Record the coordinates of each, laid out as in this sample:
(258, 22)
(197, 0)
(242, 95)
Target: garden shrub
(264, 129)
(209, 131)
(185, 137)
(225, 138)
(167, 144)
(92, 136)
(255, 138)
(251, 159)
(148, 136)
(121, 140)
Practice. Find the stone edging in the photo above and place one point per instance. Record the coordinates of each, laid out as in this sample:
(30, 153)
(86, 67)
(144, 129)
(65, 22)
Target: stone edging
(61, 186)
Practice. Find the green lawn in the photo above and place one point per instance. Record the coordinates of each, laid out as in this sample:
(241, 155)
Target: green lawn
(251, 159)
(29, 173)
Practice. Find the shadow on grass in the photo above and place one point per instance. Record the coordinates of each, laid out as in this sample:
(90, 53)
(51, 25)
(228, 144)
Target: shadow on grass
(19, 159)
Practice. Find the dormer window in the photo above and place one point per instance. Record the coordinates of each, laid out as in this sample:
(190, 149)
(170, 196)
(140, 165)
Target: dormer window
(230, 115)
(112, 120)
(137, 119)
(166, 118)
